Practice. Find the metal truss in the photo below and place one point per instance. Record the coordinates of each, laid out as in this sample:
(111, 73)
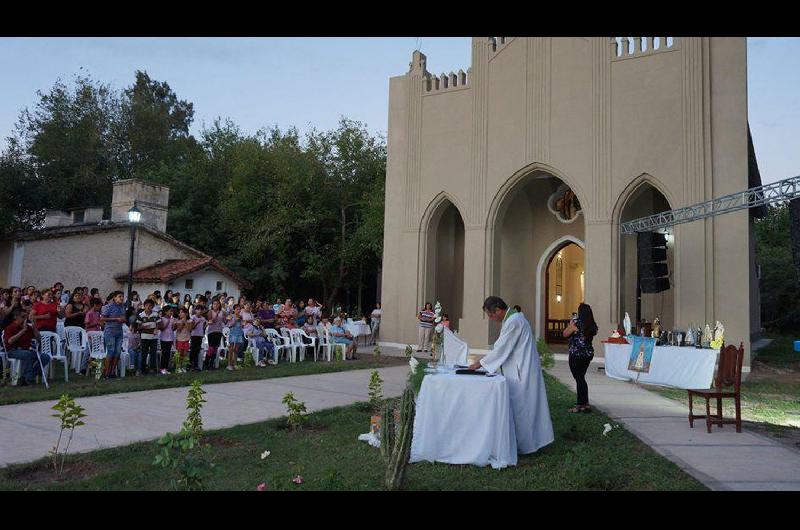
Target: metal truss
(783, 190)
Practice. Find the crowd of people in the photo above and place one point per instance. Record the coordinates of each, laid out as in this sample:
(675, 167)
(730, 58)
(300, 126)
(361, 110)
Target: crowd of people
(158, 324)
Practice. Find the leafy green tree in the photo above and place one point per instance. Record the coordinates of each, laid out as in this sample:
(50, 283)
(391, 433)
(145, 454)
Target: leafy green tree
(779, 283)
(69, 143)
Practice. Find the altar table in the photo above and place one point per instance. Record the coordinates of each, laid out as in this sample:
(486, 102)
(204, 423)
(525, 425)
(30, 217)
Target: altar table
(673, 366)
(464, 419)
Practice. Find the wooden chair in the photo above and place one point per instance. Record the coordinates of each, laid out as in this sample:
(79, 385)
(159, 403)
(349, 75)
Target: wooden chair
(729, 373)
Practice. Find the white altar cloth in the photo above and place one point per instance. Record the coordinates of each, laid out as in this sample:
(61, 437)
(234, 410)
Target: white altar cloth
(464, 419)
(678, 367)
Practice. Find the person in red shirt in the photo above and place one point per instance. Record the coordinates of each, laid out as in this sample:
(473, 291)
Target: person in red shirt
(18, 336)
(45, 312)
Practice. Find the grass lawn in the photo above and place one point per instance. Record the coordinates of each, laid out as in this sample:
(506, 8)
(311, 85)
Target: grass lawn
(770, 395)
(81, 386)
(328, 456)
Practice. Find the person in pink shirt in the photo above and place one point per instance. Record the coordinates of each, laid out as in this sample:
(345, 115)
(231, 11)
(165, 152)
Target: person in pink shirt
(167, 337)
(92, 319)
(198, 327)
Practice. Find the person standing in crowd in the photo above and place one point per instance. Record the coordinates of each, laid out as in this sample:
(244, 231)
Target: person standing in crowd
(235, 336)
(581, 330)
(167, 337)
(277, 306)
(198, 331)
(45, 313)
(288, 313)
(266, 315)
(183, 330)
(134, 340)
(12, 301)
(313, 311)
(136, 302)
(66, 296)
(91, 322)
(18, 337)
(216, 321)
(375, 320)
(426, 318)
(75, 312)
(147, 324)
(112, 316)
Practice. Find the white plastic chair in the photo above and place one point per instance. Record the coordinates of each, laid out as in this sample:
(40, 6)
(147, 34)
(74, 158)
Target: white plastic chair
(287, 338)
(77, 344)
(97, 347)
(62, 337)
(14, 365)
(46, 347)
(298, 335)
(325, 343)
(278, 342)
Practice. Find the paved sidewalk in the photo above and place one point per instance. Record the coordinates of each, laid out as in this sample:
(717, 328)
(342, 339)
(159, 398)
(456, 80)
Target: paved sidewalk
(28, 432)
(722, 460)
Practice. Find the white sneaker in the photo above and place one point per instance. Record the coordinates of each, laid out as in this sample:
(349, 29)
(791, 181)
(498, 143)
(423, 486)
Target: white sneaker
(229, 368)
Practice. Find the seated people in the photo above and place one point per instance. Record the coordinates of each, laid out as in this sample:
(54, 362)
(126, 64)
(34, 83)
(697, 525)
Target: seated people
(18, 336)
(253, 331)
(341, 336)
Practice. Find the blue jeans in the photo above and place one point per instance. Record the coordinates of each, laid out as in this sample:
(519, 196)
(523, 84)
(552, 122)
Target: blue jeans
(113, 344)
(29, 362)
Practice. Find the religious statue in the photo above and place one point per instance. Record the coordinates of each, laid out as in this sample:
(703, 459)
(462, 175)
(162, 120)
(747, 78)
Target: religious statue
(707, 336)
(690, 336)
(627, 323)
(656, 333)
(719, 332)
(567, 205)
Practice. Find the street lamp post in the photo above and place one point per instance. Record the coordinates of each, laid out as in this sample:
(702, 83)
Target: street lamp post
(134, 217)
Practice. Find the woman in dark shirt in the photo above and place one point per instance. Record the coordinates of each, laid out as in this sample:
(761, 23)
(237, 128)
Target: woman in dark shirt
(581, 330)
(75, 311)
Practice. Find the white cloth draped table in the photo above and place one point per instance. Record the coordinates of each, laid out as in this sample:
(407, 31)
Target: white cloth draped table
(464, 419)
(358, 328)
(673, 366)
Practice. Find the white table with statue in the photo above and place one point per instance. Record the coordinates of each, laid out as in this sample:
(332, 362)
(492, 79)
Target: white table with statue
(667, 365)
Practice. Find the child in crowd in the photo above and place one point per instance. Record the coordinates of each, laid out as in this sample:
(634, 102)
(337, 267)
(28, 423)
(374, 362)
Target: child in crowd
(167, 337)
(134, 341)
(183, 330)
(236, 336)
(253, 331)
(198, 326)
(446, 321)
(91, 321)
(216, 321)
(147, 324)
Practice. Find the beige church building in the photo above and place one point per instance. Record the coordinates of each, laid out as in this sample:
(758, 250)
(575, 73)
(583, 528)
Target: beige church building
(511, 177)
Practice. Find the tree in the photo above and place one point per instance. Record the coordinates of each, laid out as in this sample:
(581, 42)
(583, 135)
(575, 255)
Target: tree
(68, 143)
(779, 285)
(154, 128)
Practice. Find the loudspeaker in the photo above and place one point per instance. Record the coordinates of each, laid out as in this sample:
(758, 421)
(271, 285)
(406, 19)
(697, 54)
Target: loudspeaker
(654, 285)
(651, 261)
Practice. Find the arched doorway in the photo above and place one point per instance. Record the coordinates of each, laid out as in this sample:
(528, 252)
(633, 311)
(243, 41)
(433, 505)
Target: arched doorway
(538, 210)
(643, 299)
(564, 287)
(444, 264)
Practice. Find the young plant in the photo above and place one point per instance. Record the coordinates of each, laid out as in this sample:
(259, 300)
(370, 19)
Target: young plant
(248, 360)
(70, 414)
(97, 369)
(183, 452)
(375, 391)
(545, 354)
(398, 443)
(179, 361)
(409, 351)
(296, 412)
(376, 354)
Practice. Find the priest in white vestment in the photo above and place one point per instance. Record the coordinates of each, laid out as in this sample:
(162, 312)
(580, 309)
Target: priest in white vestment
(514, 355)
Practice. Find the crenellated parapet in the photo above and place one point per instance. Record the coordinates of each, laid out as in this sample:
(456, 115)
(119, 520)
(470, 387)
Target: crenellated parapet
(629, 47)
(446, 82)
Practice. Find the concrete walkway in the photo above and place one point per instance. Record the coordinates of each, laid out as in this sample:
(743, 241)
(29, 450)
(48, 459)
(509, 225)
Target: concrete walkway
(722, 460)
(28, 432)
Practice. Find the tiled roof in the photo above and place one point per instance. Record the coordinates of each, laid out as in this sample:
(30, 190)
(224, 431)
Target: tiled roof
(168, 270)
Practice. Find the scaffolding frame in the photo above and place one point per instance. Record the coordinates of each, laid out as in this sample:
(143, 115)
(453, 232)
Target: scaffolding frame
(780, 191)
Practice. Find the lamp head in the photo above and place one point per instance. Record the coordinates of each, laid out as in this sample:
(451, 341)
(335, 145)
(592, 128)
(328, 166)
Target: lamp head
(134, 214)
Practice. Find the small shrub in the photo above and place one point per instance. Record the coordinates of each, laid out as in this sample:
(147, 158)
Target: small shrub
(179, 361)
(248, 360)
(375, 391)
(545, 354)
(70, 416)
(296, 412)
(96, 368)
(409, 351)
(183, 452)
(376, 354)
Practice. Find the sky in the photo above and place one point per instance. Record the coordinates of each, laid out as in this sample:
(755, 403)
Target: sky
(305, 82)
